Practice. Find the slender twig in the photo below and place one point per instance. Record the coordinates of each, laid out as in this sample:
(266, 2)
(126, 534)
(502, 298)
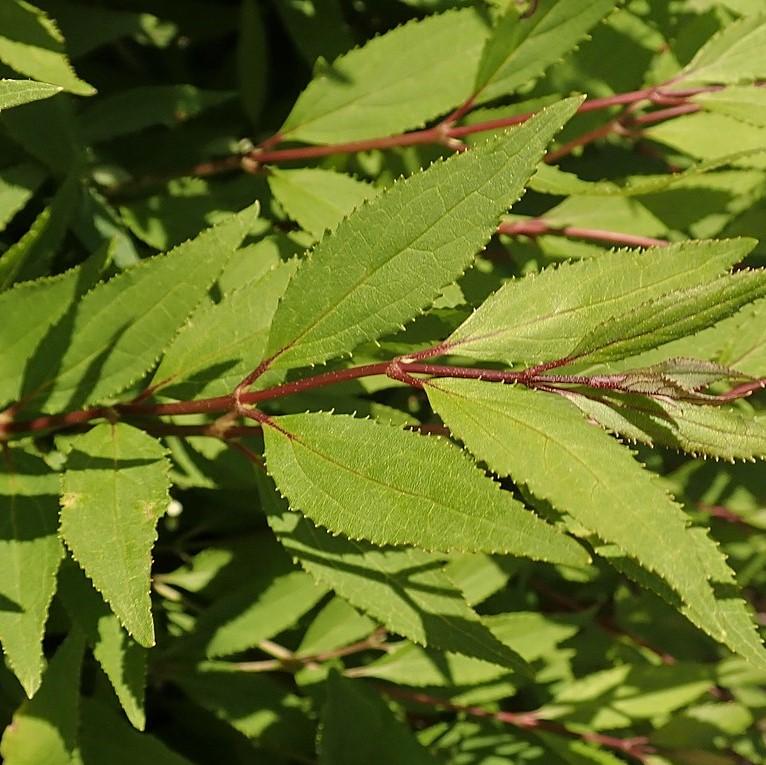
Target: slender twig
(540, 227)
(636, 747)
(401, 369)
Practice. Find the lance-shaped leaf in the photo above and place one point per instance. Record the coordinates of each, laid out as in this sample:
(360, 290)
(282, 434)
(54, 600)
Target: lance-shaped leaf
(373, 481)
(710, 430)
(31, 43)
(117, 331)
(44, 729)
(521, 48)
(23, 328)
(338, 624)
(404, 589)
(122, 659)
(543, 317)
(407, 244)
(397, 81)
(115, 489)
(670, 317)
(745, 103)
(359, 726)
(535, 436)
(318, 199)
(734, 55)
(30, 552)
(18, 92)
(222, 342)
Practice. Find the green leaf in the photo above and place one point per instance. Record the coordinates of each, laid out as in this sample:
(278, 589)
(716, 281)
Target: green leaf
(30, 552)
(403, 589)
(670, 317)
(105, 737)
(734, 55)
(520, 49)
(710, 430)
(30, 43)
(257, 610)
(121, 658)
(114, 491)
(415, 489)
(358, 726)
(338, 624)
(129, 111)
(23, 328)
(531, 635)
(620, 696)
(116, 333)
(396, 82)
(44, 729)
(254, 704)
(318, 200)
(532, 436)
(222, 342)
(746, 104)
(18, 184)
(543, 317)
(745, 344)
(407, 244)
(31, 255)
(49, 131)
(18, 92)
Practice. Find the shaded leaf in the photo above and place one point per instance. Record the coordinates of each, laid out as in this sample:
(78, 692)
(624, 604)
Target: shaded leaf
(358, 725)
(129, 111)
(338, 624)
(17, 185)
(402, 588)
(414, 489)
(121, 658)
(254, 704)
(44, 729)
(32, 255)
(318, 200)
(30, 552)
(114, 491)
(104, 736)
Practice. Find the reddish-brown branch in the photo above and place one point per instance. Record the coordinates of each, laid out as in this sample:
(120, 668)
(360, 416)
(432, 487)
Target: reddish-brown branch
(636, 747)
(400, 369)
(443, 133)
(540, 227)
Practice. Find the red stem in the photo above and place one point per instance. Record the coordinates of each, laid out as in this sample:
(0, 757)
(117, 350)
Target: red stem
(539, 227)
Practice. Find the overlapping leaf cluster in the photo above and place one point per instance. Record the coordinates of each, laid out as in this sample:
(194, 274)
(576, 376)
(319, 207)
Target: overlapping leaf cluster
(304, 459)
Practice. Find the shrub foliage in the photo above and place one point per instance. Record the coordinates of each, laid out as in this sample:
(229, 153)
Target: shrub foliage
(381, 381)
